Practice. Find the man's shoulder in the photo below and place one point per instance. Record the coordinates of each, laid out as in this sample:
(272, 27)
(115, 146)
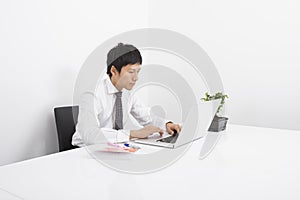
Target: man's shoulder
(96, 92)
(131, 96)
(101, 86)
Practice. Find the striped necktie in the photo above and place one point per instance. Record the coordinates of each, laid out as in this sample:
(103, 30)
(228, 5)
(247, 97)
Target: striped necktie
(119, 111)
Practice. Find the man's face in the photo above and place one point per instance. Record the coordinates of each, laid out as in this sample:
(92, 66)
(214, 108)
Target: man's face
(127, 77)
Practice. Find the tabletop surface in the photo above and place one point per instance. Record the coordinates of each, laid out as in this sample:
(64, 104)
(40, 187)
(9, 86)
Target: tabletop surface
(247, 163)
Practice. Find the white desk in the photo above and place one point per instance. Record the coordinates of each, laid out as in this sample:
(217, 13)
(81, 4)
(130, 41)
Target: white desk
(247, 163)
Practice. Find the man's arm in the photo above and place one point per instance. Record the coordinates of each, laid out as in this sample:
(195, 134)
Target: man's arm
(145, 132)
(145, 118)
(89, 127)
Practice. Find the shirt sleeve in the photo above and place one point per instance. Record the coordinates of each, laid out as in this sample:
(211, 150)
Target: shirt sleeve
(89, 127)
(144, 116)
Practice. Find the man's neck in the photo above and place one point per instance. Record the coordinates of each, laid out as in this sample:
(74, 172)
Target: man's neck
(114, 82)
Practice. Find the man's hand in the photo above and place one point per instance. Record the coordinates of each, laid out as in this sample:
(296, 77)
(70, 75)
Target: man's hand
(145, 132)
(171, 128)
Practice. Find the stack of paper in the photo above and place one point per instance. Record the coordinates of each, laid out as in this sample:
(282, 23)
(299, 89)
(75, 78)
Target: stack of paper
(119, 148)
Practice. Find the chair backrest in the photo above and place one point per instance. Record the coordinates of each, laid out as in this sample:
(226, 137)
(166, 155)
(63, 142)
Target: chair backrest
(66, 120)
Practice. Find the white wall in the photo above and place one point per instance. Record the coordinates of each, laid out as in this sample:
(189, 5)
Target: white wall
(42, 47)
(254, 44)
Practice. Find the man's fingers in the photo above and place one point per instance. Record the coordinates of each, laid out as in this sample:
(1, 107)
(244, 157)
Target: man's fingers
(173, 127)
(170, 131)
(156, 129)
(178, 128)
(161, 133)
(174, 130)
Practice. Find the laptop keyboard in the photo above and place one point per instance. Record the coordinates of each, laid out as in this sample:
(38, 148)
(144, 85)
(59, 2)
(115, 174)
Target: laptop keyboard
(171, 139)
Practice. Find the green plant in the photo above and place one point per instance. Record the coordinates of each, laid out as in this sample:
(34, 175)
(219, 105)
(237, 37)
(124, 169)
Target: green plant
(218, 95)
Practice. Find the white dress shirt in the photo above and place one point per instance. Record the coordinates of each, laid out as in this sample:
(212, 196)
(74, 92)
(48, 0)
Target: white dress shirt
(97, 114)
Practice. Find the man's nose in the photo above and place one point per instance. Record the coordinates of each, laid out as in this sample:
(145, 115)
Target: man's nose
(136, 77)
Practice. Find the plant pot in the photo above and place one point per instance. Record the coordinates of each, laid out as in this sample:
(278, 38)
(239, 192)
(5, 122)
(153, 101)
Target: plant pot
(218, 124)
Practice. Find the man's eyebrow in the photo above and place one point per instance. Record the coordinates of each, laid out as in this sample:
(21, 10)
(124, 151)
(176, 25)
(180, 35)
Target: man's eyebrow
(135, 69)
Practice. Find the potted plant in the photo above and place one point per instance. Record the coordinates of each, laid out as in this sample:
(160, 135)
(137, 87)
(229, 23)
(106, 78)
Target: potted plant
(219, 122)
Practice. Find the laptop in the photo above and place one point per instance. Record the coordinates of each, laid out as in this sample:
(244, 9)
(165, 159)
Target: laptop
(195, 126)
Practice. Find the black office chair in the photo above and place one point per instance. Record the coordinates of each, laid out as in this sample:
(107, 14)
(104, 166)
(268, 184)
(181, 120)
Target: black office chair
(66, 120)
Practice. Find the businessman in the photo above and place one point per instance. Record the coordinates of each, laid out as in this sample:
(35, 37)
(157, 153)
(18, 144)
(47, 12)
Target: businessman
(103, 113)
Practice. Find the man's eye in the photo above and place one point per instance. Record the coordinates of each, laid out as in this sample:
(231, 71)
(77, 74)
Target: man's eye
(131, 72)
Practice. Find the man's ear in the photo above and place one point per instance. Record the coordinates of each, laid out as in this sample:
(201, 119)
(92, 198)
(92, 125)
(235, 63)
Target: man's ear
(113, 70)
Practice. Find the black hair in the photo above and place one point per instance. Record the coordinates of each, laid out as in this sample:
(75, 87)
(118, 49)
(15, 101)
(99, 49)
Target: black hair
(122, 55)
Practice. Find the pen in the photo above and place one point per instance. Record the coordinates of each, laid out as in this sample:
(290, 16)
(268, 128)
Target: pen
(132, 146)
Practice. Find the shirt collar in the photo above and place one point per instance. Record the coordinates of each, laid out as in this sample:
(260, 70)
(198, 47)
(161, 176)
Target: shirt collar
(110, 88)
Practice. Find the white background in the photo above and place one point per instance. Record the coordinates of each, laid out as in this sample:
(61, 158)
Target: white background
(254, 44)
